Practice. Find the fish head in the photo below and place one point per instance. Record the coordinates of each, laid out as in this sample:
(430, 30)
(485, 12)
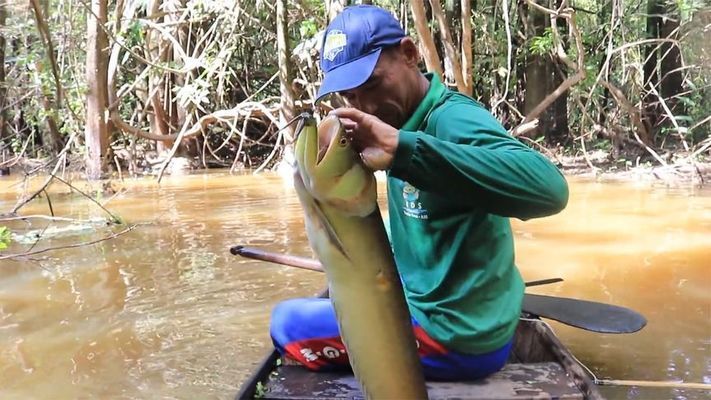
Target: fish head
(332, 170)
(336, 154)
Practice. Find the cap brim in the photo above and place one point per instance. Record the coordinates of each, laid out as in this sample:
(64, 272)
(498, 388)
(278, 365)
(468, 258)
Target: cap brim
(349, 75)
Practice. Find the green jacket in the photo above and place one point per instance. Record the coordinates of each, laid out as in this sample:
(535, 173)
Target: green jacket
(456, 179)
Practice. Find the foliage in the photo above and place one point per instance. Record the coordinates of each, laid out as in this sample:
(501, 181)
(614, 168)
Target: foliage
(686, 8)
(541, 45)
(260, 391)
(188, 59)
(5, 237)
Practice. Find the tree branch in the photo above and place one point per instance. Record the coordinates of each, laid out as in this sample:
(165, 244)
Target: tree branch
(467, 64)
(429, 50)
(449, 49)
(43, 28)
(634, 115)
(579, 75)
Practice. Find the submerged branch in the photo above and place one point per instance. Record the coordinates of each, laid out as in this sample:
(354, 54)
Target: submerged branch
(53, 218)
(53, 175)
(70, 246)
(114, 218)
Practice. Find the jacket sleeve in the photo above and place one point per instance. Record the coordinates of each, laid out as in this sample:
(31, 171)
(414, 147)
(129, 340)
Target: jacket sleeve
(471, 158)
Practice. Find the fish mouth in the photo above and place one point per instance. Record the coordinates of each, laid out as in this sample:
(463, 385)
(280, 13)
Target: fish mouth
(322, 150)
(328, 129)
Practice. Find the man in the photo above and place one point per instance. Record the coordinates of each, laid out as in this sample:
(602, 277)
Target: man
(454, 178)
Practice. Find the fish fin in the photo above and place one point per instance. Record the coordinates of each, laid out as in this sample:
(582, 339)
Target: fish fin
(331, 234)
(313, 210)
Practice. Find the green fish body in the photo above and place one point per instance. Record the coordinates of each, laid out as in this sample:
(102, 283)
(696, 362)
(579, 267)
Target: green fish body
(346, 232)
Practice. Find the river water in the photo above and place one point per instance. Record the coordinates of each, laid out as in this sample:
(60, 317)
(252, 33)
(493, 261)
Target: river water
(164, 311)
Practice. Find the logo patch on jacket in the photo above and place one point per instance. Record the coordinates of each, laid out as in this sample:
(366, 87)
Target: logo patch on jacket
(413, 206)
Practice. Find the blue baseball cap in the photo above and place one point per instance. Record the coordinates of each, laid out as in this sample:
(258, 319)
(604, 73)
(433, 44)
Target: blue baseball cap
(352, 45)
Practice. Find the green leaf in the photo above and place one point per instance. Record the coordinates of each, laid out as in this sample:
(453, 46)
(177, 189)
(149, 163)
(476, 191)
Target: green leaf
(542, 44)
(687, 101)
(5, 237)
(259, 393)
(308, 28)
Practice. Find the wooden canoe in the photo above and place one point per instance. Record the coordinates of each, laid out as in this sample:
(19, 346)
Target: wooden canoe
(540, 367)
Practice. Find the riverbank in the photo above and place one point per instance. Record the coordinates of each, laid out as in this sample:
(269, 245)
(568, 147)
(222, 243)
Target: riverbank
(599, 165)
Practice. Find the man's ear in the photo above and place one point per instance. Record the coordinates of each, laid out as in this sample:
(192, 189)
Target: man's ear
(409, 51)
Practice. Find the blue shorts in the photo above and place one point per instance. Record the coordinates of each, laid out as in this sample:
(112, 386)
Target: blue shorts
(306, 330)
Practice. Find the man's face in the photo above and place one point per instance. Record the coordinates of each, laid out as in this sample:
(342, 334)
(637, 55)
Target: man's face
(388, 93)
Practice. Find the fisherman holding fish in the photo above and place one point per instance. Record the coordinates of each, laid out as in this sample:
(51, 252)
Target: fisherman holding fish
(454, 178)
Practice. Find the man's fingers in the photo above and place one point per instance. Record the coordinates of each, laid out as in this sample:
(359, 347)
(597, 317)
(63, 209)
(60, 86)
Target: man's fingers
(348, 123)
(346, 116)
(348, 113)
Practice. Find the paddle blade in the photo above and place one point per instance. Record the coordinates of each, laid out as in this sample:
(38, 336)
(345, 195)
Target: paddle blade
(589, 315)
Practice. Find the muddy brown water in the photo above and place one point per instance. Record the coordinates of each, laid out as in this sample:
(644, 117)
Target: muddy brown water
(164, 311)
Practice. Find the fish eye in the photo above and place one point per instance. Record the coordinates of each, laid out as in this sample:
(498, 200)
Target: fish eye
(343, 141)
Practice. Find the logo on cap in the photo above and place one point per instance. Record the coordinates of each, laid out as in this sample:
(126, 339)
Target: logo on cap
(334, 44)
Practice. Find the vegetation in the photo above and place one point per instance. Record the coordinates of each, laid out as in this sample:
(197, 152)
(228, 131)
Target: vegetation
(4, 237)
(125, 86)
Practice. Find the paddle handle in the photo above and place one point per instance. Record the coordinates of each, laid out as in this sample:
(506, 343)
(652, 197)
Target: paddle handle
(592, 316)
(655, 384)
(292, 261)
(314, 265)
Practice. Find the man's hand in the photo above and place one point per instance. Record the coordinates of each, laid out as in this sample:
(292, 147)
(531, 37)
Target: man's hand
(374, 139)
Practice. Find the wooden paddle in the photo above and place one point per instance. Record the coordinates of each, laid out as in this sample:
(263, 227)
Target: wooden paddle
(583, 314)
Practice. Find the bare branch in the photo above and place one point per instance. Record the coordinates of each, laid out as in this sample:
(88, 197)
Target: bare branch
(54, 219)
(466, 47)
(43, 28)
(509, 56)
(579, 75)
(634, 115)
(671, 116)
(114, 218)
(429, 51)
(46, 183)
(449, 49)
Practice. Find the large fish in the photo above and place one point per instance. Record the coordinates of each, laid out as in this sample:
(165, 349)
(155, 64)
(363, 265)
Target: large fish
(345, 230)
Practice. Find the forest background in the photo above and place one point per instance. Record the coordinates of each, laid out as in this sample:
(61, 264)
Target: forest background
(93, 92)
(132, 87)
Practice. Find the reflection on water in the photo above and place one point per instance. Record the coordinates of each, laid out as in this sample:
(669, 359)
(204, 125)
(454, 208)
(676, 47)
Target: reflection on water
(166, 312)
